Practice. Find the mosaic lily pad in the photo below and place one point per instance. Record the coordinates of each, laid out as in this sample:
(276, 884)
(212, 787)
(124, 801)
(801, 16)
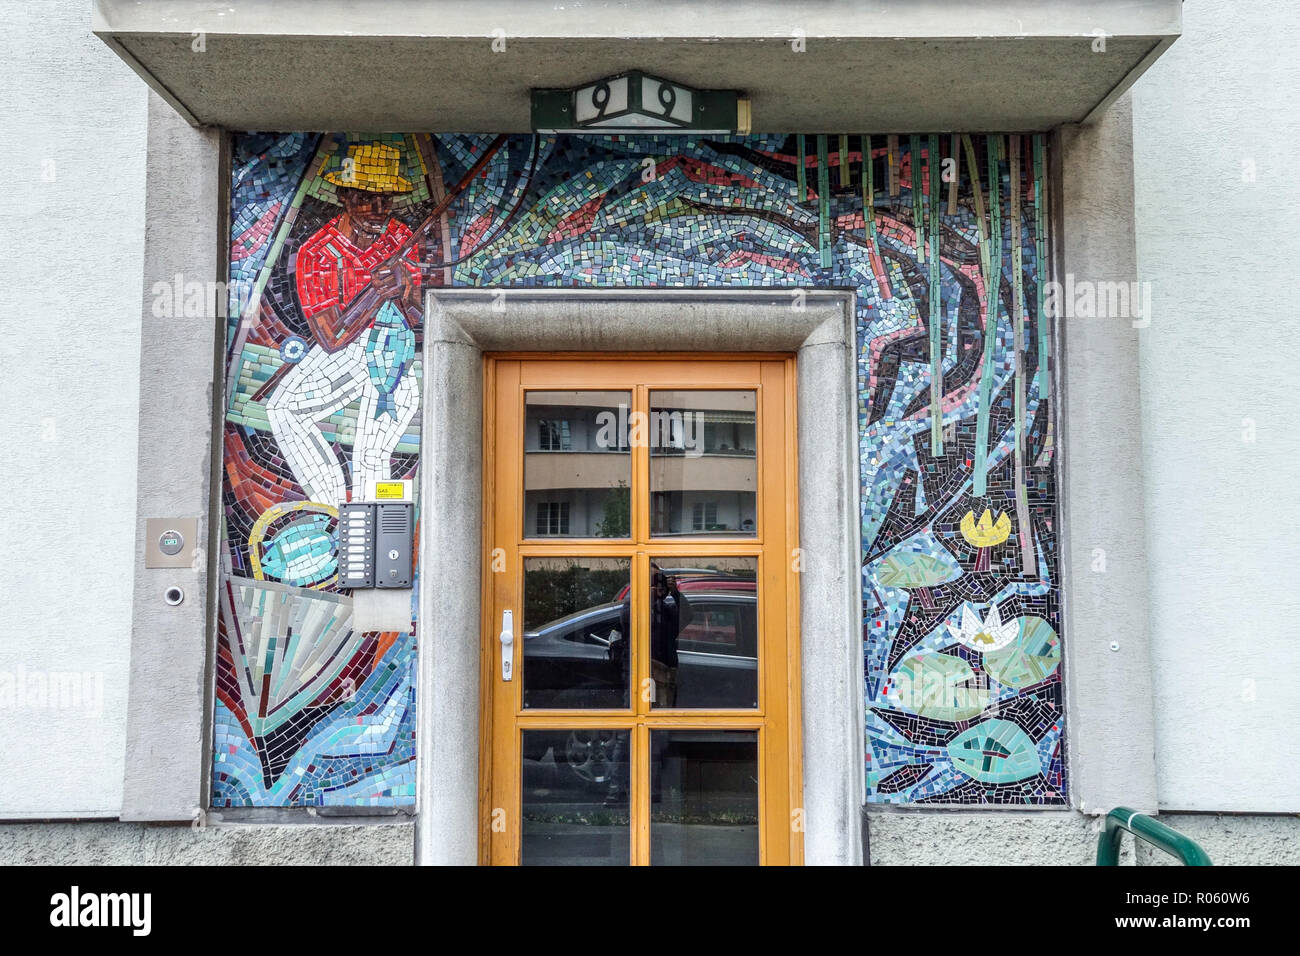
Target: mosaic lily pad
(1032, 657)
(918, 572)
(995, 751)
(938, 686)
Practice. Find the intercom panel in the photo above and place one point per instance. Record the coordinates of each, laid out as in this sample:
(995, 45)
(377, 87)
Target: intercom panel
(377, 537)
(395, 524)
(357, 544)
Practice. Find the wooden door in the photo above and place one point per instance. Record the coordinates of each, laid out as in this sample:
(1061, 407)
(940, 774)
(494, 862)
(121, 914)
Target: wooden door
(640, 646)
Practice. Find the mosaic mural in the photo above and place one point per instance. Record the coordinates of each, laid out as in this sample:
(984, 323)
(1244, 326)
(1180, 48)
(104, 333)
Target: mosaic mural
(333, 240)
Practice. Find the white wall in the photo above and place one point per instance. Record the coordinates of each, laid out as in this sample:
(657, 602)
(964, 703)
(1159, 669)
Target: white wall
(72, 217)
(1218, 361)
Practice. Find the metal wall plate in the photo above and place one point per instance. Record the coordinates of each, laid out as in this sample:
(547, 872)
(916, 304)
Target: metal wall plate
(170, 542)
(394, 536)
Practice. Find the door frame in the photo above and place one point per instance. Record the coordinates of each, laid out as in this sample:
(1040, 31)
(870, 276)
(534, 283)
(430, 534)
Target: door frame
(775, 718)
(461, 325)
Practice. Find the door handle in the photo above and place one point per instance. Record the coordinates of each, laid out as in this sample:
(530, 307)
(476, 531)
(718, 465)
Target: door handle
(507, 639)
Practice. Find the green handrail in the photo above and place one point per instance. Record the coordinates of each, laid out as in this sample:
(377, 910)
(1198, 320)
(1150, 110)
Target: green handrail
(1152, 831)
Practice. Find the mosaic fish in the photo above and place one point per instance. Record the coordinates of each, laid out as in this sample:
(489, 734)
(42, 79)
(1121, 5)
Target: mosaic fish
(390, 349)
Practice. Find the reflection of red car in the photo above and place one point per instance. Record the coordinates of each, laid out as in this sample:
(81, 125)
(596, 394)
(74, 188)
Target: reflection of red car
(701, 579)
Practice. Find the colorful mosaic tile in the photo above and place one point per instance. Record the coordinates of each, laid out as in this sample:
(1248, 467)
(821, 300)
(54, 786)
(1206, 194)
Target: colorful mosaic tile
(943, 238)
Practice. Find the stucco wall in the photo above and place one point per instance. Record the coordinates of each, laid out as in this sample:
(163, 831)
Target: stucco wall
(936, 838)
(950, 838)
(133, 844)
(1214, 147)
(1232, 839)
(71, 212)
(905, 837)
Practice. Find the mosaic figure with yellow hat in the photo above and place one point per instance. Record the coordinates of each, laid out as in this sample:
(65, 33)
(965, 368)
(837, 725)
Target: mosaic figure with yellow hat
(362, 356)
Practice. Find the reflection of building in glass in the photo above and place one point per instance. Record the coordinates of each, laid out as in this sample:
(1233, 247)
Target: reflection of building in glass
(552, 518)
(577, 469)
(577, 462)
(702, 481)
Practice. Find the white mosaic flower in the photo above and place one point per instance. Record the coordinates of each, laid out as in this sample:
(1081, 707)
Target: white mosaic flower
(987, 635)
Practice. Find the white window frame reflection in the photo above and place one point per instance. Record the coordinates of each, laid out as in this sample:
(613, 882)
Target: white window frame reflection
(552, 518)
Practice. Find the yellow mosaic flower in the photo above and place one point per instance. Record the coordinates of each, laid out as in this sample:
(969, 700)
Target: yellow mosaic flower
(985, 533)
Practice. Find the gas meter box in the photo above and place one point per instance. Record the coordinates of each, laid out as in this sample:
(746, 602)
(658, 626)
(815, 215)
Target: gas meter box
(376, 537)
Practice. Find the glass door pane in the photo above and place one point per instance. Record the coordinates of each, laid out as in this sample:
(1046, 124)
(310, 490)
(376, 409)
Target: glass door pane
(577, 632)
(575, 797)
(703, 463)
(704, 798)
(577, 464)
(704, 632)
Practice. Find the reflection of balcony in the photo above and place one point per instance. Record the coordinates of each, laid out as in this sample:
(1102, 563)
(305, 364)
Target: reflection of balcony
(710, 472)
(575, 469)
(722, 452)
(670, 470)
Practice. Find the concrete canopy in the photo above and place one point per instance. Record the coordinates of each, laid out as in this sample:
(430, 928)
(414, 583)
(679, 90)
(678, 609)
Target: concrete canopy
(807, 65)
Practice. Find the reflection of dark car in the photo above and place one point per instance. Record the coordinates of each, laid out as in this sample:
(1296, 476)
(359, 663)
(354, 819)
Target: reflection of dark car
(575, 661)
(579, 661)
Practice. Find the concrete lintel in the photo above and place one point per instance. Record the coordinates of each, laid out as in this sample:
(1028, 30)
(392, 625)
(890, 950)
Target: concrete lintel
(330, 64)
(819, 327)
(1128, 79)
(1107, 667)
(152, 81)
(599, 320)
(665, 19)
(169, 699)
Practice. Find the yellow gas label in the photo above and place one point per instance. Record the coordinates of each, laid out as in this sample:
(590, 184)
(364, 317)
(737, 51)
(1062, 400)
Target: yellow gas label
(390, 489)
